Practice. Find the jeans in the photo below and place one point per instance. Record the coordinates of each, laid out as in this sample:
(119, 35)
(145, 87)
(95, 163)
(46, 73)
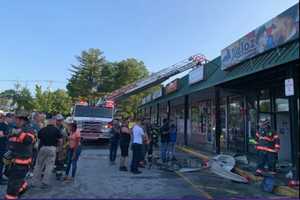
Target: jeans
(268, 158)
(164, 151)
(137, 156)
(72, 161)
(171, 151)
(114, 144)
(1, 163)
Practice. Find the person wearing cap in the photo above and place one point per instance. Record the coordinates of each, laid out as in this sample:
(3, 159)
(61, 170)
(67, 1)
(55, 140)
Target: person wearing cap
(268, 146)
(49, 137)
(19, 156)
(61, 151)
(4, 130)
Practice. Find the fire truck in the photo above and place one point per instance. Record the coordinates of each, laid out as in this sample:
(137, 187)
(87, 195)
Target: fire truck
(94, 122)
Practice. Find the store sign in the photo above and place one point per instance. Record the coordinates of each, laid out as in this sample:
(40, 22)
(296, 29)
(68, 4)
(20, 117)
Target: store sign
(277, 31)
(157, 94)
(196, 75)
(289, 87)
(172, 87)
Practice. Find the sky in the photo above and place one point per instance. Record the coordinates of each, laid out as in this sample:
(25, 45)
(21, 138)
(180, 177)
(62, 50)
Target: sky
(40, 39)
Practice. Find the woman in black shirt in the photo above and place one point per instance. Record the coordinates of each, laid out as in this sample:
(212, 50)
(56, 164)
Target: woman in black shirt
(125, 137)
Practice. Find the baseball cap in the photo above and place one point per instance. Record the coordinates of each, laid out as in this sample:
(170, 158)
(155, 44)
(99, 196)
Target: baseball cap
(59, 117)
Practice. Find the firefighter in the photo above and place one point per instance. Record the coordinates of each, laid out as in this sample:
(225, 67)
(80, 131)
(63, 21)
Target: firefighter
(268, 146)
(18, 158)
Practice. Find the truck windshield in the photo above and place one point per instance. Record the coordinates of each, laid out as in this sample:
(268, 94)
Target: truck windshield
(90, 111)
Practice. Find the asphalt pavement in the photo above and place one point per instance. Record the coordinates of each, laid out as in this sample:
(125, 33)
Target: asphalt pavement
(96, 178)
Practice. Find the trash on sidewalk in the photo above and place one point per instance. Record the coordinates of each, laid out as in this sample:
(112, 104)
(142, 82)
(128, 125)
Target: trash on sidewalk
(268, 184)
(289, 175)
(293, 184)
(227, 162)
(184, 170)
(222, 165)
(242, 159)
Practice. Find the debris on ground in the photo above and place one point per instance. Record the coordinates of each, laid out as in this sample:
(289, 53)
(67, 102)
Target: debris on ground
(241, 159)
(222, 165)
(185, 170)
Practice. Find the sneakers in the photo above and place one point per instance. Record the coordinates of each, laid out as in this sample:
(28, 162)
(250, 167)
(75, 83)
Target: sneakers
(68, 178)
(44, 186)
(136, 172)
(123, 169)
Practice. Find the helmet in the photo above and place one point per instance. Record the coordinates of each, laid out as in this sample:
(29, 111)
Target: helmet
(69, 120)
(22, 114)
(265, 123)
(59, 117)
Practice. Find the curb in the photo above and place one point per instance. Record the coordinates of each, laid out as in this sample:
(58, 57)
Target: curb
(280, 190)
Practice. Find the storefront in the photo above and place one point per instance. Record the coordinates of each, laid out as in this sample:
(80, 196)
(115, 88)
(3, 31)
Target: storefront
(202, 121)
(224, 100)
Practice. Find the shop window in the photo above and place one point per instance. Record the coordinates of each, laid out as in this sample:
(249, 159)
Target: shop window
(236, 128)
(264, 102)
(282, 105)
(252, 122)
(202, 124)
(223, 113)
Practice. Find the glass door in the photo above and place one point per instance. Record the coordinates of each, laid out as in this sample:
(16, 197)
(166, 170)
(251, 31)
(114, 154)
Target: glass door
(283, 128)
(236, 125)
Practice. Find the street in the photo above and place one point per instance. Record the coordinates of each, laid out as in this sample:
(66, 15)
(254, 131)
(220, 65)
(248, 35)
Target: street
(96, 178)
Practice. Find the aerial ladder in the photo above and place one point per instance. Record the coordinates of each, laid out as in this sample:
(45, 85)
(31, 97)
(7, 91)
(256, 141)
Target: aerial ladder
(157, 78)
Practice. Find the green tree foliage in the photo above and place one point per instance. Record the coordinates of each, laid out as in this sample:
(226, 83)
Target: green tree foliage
(22, 99)
(87, 78)
(126, 72)
(94, 77)
(54, 102)
(129, 71)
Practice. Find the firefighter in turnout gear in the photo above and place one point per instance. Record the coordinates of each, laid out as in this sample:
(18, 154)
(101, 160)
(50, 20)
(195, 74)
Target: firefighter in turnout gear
(268, 146)
(19, 156)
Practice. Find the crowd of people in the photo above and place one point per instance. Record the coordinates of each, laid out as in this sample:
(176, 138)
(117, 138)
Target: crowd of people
(33, 147)
(144, 138)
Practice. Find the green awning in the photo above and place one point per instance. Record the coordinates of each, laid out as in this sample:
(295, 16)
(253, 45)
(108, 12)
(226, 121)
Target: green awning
(215, 76)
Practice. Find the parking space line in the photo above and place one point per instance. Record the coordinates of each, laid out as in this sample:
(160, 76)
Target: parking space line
(196, 187)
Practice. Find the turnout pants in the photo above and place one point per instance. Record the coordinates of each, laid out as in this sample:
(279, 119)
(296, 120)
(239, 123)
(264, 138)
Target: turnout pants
(16, 181)
(268, 158)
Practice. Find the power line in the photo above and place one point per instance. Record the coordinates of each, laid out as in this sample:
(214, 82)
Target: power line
(26, 81)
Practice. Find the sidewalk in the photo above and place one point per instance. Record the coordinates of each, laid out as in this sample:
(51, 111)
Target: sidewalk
(246, 171)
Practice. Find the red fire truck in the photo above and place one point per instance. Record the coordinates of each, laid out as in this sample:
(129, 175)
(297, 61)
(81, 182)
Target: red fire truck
(94, 122)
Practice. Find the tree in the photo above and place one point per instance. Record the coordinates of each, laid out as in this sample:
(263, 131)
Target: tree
(86, 81)
(22, 99)
(127, 72)
(54, 102)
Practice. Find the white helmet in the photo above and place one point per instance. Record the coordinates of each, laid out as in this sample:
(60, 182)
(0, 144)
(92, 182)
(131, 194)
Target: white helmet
(69, 120)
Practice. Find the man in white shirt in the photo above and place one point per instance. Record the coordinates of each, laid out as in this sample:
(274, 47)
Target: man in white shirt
(138, 136)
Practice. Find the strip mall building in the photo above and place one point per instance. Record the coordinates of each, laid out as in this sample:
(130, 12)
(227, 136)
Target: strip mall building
(217, 106)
